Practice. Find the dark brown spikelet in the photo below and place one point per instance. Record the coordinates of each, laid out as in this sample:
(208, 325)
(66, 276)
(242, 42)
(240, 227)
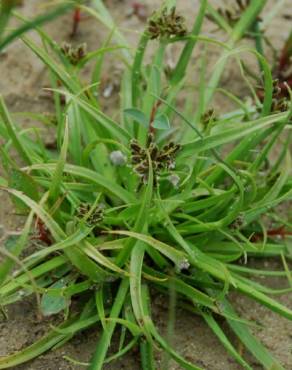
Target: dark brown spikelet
(280, 103)
(92, 218)
(74, 54)
(238, 223)
(166, 24)
(209, 116)
(162, 159)
(167, 155)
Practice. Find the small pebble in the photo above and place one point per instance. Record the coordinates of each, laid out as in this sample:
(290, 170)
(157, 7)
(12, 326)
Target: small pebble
(174, 180)
(118, 158)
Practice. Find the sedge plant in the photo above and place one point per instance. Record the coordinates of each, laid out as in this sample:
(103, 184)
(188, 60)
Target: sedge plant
(167, 197)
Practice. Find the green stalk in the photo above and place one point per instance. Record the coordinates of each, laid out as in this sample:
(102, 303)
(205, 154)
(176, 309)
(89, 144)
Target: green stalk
(136, 68)
(5, 12)
(38, 21)
(104, 342)
(12, 132)
(147, 356)
(180, 69)
(239, 30)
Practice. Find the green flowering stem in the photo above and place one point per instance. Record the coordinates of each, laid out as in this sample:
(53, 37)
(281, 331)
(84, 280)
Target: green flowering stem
(180, 69)
(239, 30)
(136, 68)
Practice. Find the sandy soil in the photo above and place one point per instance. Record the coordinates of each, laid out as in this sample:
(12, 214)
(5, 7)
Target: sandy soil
(21, 83)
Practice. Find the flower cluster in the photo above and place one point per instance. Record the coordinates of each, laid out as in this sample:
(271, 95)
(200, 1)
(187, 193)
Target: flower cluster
(92, 217)
(209, 116)
(238, 223)
(166, 24)
(280, 102)
(74, 54)
(162, 159)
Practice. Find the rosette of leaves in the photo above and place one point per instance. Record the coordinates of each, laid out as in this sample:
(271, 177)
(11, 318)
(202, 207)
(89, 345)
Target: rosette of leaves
(186, 242)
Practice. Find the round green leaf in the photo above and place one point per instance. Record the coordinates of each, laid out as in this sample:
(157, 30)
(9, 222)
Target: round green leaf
(161, 122)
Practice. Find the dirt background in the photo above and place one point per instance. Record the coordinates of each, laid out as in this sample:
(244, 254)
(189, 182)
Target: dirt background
(22, 80)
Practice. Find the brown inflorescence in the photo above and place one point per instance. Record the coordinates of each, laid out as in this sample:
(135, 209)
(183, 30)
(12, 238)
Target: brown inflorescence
(280, 102)
(92, 217)
(166, 24)
(162, 159)
(74, 54)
